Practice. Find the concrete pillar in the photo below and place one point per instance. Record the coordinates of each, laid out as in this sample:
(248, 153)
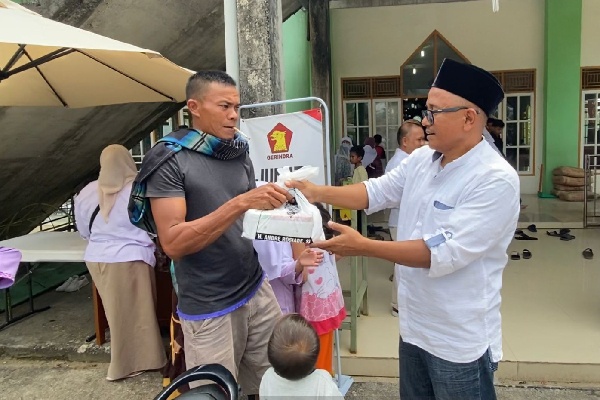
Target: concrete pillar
(318, 15)
(232, 59)
(260, 53)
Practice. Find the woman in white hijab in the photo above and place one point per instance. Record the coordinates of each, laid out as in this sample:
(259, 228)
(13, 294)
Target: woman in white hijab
(120, 259)
(343, 167)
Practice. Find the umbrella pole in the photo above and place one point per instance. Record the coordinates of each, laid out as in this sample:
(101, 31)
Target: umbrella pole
(38, 61)
(18, 54)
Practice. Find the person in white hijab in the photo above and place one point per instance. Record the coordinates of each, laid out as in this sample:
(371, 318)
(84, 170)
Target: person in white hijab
(117, 170)
(120, 259)
(343, 167)
(370, 153)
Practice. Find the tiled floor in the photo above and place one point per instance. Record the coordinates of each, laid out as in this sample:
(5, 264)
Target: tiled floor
(551, 308)
(550, 213)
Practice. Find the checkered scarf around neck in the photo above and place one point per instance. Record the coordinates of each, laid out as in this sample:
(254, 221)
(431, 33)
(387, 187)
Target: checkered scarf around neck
(212, 146)
(165, 148)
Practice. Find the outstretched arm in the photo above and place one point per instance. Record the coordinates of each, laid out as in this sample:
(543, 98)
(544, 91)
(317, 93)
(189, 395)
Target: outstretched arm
(381, 193)
(353, 197)
(412, 253)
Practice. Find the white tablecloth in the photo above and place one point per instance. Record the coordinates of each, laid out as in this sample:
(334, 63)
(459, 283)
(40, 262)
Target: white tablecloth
(49, 246)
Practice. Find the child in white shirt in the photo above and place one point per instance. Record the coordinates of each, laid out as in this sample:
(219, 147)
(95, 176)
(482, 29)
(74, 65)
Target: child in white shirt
(293, 350)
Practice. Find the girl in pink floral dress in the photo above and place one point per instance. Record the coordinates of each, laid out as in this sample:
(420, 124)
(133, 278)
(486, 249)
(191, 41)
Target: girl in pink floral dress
(321, 301)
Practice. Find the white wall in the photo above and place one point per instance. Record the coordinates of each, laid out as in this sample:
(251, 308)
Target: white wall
(590, 46)
(376, 41)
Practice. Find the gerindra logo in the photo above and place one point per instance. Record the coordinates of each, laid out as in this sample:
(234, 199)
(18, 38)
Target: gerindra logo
(280, 138)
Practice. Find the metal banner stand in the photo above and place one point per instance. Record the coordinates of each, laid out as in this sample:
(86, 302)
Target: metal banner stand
(326, 122)
(343, 381)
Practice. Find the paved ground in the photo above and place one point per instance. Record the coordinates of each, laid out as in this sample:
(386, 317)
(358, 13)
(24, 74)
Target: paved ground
(46, 357)
(39, 379)
(58, 333)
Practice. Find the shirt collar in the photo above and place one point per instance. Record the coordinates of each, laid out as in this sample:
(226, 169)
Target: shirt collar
(462, 159)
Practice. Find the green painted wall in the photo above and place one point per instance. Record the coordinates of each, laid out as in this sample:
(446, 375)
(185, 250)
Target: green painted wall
(562, 86)
(296, 60)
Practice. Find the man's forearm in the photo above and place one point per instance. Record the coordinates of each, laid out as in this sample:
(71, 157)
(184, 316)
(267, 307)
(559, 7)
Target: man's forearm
(353, 197)
(412, 253)
(192, 236)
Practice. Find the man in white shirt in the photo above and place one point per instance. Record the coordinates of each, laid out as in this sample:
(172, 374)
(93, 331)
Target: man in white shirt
(410, 137)
(451, 244)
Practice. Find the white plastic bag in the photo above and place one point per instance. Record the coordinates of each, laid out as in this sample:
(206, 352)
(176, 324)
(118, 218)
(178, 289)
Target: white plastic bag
(299, 223)
(303, 174)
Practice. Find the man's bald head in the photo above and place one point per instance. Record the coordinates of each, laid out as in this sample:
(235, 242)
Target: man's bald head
(411, 136)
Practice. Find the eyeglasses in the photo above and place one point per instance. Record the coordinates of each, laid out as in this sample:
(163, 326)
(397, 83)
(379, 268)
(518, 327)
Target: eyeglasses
(429, 113)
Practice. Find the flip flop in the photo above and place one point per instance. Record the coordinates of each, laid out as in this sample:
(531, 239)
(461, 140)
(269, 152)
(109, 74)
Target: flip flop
(524, 236)
(532, 228)
(526, 254)
(515, 255)
(553, 233)
(566, 237)
(564, 230)
(588, 254)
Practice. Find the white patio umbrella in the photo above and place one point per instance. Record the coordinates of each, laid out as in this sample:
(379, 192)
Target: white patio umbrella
(47, 63)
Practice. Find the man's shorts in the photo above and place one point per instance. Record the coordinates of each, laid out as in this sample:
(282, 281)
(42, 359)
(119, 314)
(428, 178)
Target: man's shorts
(237, 340)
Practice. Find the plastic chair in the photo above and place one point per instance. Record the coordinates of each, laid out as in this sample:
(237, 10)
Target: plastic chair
(224, 387)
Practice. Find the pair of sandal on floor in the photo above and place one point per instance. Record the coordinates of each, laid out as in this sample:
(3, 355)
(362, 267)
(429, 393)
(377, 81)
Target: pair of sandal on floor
(516, 256)
(563, 234)
(520, 235)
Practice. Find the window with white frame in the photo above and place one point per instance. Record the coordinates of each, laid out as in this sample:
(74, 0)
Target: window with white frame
(517, 112)
(371, 106)
(357, 124)
(590, 127)
(386, 120)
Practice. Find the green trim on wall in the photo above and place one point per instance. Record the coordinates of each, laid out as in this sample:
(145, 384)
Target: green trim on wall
(562, 89)
(296, 60)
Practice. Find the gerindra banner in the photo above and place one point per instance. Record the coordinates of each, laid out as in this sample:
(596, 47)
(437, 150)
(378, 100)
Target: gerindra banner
(286, 140)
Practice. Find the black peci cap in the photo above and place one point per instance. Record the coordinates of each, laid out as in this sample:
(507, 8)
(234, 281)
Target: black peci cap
(471, 83)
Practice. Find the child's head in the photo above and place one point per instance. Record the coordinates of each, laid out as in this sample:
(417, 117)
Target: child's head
(356, 154)
(325, 217)
(293, 347)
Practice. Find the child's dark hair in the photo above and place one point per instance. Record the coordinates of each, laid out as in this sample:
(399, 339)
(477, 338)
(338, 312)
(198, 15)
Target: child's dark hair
(325, 217)
(358, 150)
(293, 347)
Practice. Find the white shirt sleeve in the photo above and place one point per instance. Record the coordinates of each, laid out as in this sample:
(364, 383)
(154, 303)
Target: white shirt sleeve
(465, 233)
(82, 220)
(386, 191)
